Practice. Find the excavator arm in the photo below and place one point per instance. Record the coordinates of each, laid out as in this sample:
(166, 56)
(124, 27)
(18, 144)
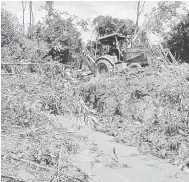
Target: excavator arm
(89, 61)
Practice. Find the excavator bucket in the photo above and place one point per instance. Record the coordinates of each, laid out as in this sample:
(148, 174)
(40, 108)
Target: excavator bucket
(140, 59)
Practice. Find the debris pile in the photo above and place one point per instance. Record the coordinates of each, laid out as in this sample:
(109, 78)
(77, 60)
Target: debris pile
(147, 107)
(35, 147)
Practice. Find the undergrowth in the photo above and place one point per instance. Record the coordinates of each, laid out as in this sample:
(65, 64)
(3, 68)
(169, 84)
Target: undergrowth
(35, 146)
(147, 108)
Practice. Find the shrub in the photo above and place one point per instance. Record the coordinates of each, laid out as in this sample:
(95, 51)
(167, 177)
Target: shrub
(148, 107)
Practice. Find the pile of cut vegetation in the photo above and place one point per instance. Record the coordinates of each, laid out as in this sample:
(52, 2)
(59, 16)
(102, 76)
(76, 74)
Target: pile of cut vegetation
(147, 107)
(35, 146)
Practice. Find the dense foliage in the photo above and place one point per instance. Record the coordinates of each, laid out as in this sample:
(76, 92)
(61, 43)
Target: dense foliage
(55, 37)
(61, 36)
(35, 146)
(178, 38)
(163, 16)
(146, 107)
(17, 47)
(10, 29)
(106, 24)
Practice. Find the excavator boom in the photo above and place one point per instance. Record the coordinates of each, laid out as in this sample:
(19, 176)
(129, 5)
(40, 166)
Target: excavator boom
(89, 61)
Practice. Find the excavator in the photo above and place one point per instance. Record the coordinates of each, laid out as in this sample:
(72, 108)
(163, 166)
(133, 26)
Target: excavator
(115, 52)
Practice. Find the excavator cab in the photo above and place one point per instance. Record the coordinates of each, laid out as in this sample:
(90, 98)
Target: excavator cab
(112, 44)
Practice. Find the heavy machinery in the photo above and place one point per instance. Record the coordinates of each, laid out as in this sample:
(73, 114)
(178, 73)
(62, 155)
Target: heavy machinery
(115, 55)
(115, 52)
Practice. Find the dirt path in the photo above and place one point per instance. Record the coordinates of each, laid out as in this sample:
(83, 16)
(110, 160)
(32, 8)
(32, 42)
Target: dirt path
(113, 162)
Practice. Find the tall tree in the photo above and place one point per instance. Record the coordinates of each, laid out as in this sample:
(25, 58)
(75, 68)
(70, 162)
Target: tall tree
(139, 10)
(31, 19)
(49, 7)
(24, 3)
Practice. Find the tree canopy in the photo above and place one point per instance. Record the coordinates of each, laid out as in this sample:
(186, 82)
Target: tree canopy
(161, 17)
(10, 28)
(58, 37)
(106, 24)
(61, 35)
(177, 39)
